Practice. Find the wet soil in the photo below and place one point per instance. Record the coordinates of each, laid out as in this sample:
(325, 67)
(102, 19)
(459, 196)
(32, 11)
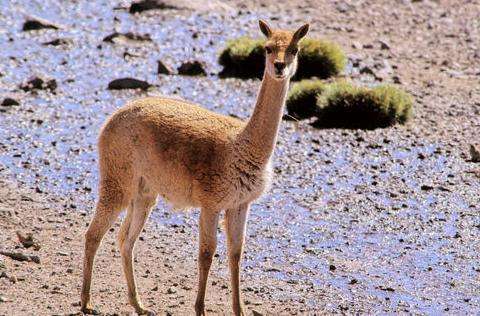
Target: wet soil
(371, 222)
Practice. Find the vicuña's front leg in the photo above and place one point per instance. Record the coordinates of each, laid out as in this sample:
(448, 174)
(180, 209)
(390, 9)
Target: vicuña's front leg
(235, 222)
(206, 250)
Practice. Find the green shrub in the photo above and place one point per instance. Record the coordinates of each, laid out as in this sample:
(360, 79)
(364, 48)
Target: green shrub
(319, 58)
(302, 98)
(344, 105)
(245, 58)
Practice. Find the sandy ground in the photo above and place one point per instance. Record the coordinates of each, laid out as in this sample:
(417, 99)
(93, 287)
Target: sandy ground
(167, 276)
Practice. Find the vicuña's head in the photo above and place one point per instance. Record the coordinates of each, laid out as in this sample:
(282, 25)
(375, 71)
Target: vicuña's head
(281, 50)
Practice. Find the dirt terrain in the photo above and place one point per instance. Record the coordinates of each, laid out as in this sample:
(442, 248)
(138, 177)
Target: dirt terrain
(367, 222)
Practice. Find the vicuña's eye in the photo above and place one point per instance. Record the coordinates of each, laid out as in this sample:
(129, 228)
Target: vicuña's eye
(294, 51)
(268, 49)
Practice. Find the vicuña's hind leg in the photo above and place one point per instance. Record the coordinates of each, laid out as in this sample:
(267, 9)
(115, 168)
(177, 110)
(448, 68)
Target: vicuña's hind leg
(106, 212)
(235, 222)
(137, 215)
(206, 250)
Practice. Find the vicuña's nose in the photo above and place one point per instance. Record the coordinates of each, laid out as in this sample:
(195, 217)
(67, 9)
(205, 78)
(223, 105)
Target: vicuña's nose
(279, 66)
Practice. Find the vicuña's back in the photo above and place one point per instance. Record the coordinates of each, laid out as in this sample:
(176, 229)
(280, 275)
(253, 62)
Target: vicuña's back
(191, 157)
(181, 150)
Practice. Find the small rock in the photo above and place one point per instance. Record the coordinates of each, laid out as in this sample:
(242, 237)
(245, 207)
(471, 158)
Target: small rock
(332, 267)
(27, 240)
(37, 83)
(342, 7)
(426, 187)
(272, 270)
(35, 259)
(256, 313)
(475, 153)
(18, 256)
(192, 68)
(396, 79)
(3, 299)
(356, 45)
(128, 83)
(145, 5)
(69, 270)
(58, 42)
(171, 290)
(384, 44)
(10, 102)
(35, 23)
(127, 37)
(367, 70)
(163, 69)
(13, 279)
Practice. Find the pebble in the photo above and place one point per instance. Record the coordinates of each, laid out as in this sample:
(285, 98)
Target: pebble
(146, 5)
(126, 37)
(39, 83)
(35, 23)
(128, 83)
(163, 69)
(475, 153)
(10, 102)
(58, 42)
(192, 68)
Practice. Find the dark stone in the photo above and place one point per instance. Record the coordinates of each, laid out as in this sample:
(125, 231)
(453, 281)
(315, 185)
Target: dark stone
(10, 102)
(37, 83)
(145, 5)
(163, 69)
(58, 42)
(426, 187)
(367, 70)
(192, 68)
(18, 256)
(38, 24)
(475, 153)
(384, 45)
(114, 37)
(128, 83)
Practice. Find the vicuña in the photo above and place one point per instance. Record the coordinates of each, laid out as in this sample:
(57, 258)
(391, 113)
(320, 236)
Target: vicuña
(191, 157)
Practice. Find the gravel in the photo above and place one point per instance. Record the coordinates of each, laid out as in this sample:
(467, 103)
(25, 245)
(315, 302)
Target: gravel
(349, 199)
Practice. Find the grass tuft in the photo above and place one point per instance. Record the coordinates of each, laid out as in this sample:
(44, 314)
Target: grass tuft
(343, 105)
(245, 58)
(320, 58)
(302, 98)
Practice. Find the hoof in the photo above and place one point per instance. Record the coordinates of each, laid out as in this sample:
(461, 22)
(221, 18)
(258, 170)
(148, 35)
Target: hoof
(200, 310)
(90, 311)
(146, 312)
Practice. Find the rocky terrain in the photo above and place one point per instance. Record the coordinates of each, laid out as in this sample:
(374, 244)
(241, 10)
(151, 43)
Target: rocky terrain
(368, 222)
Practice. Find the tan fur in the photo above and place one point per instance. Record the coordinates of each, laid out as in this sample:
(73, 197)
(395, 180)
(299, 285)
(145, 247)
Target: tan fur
(191, 157)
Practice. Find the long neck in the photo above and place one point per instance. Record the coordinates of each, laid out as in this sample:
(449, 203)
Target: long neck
(260, 134)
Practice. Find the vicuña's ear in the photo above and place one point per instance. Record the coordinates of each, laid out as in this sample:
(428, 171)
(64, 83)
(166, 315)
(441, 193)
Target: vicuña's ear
(265, 28)
(301, 32)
